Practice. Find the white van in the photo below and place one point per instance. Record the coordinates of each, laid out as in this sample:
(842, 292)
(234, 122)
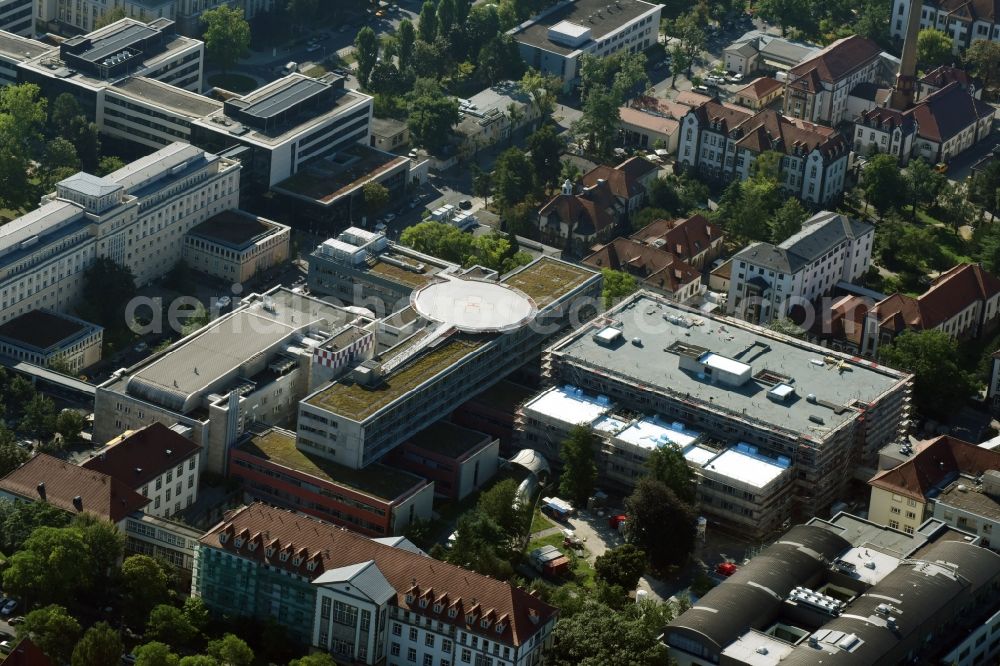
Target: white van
(291, 67)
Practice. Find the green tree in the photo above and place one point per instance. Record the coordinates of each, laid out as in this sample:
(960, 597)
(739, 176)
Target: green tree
(85, 137)
(230, 650)
(316, 659)
(198, 660)
(680, 61)
(940, 385)
(196, 612)
(787, 327)
(427, 23)
(545, 148)
(622, 566)
(406, 36)
(787, 220)
(983, 58)
(616, 286)
(787, 14)
(39, 418)
(598, 635)
(481, 545)
(882, 183)
(691, 40)
(578, 453)
(69, 425)
(933, 48)
(54, 565)
(18, 520)
(12, 456)
(144, 585)
(303, 11)
(482, 183)
(107, 287)
(53, 630)
(445, 17)
(922, 185)
(430, 121)
(542, 89)
(23, 115)
(64, 110)
(155, 653)
(667, 465)
(105, 544)
(984, 187)
(659, 523)
(502, 504)
(226, 36)
(109, 164)
(599, 122)
(366, 50)
(376, 196)
(109, 17)
(499, 60)
(513, 177)
(59, 162)
(169, 624)
(100, 646)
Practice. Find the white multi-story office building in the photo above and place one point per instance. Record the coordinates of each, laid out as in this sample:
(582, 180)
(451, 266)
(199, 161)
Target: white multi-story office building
(767, 280)
(964, 22)
(818, 88)
(135, 216)
(279, 127)
(554, 41)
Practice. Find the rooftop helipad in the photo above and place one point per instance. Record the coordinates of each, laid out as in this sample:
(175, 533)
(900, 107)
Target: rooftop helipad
(474, 306)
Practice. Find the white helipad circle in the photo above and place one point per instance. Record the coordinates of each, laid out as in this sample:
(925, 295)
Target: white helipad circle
(474, 306)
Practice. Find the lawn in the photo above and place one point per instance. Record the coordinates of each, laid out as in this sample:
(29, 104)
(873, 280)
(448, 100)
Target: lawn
(237, 83)
(581, 571)
(315, 71)
(539, 522)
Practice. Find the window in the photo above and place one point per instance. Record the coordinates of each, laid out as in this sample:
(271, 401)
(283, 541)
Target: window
(428, 660)
(894, 510)
(446, 645)
(411, 654)
(466, 655)
(394, 649)
(413, 634)
(894, 524)
(429, 639)
(908, 529)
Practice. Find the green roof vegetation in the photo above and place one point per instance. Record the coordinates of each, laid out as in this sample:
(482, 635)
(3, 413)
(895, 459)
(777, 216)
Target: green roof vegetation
(377, 480)
(358, 402)
(400, 275)
(547, 280)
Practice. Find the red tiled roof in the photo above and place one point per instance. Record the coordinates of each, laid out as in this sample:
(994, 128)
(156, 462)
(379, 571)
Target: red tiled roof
(759, 88)
(648, 121)
(635, 169)
(838, 59)
(947, 112)
(945, 74)
(949, 294)
(585, 215)
(770, 130)
(886, 119)
(674, 109)
(100, 494)
(935, 463)
(655, 267)
(728, 116)
(138, 457)
(622, 179)
(331, 547)
(685, 238)
(26, 653)
(986, 10)
(691, 98)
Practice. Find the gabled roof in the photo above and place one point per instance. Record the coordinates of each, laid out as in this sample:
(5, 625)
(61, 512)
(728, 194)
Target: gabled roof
(949, 294)
(886, 119)
(99, 494)
(313, 547)
(838, 59)
(585, 216)
(941, 76)
(932, 466)
(138, 457)
(947, 112)
(89, 184)
(364, 577)
(623, 180)
(819, 234)
(685, 238)
(648, 121)
(655, 267)
(770, 130)
(728, 116)
(983, 10)
(759, 88)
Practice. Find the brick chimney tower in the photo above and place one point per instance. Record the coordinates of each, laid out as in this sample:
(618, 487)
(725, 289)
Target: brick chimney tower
(905, 90)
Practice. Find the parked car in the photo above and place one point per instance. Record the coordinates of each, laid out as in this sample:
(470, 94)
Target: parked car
(736, 78)
(9, 607)
(6, 646)
(14, 621)
(465, 204)
(313, 48)
(223, 301)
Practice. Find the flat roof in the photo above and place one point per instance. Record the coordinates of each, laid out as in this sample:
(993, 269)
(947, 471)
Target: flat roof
(753, 470)
(165, 95)
(271, 102)
(473, 306)
(358, 402)
(747, 649)
(378, 480)
(42, 328)
(21, 47)
(236, 229)
(569, 405)
(547, 280)
(653, 432)
(108, 42)
(592, 14)
(699, 455)
(784, 359)
(326, 180)
(967, 498)
(447, 439)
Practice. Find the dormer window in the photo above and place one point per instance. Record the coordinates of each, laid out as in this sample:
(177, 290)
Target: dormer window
(283, 557)
(437, 608)
(423, 603)
(253, 545)
(485, 623)
(296, 561)
(409, 597)
(223, 537)
(453, 613)
(500, 627)
(269, 551)
(311, 565)
(470, 618)
(238, 542)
